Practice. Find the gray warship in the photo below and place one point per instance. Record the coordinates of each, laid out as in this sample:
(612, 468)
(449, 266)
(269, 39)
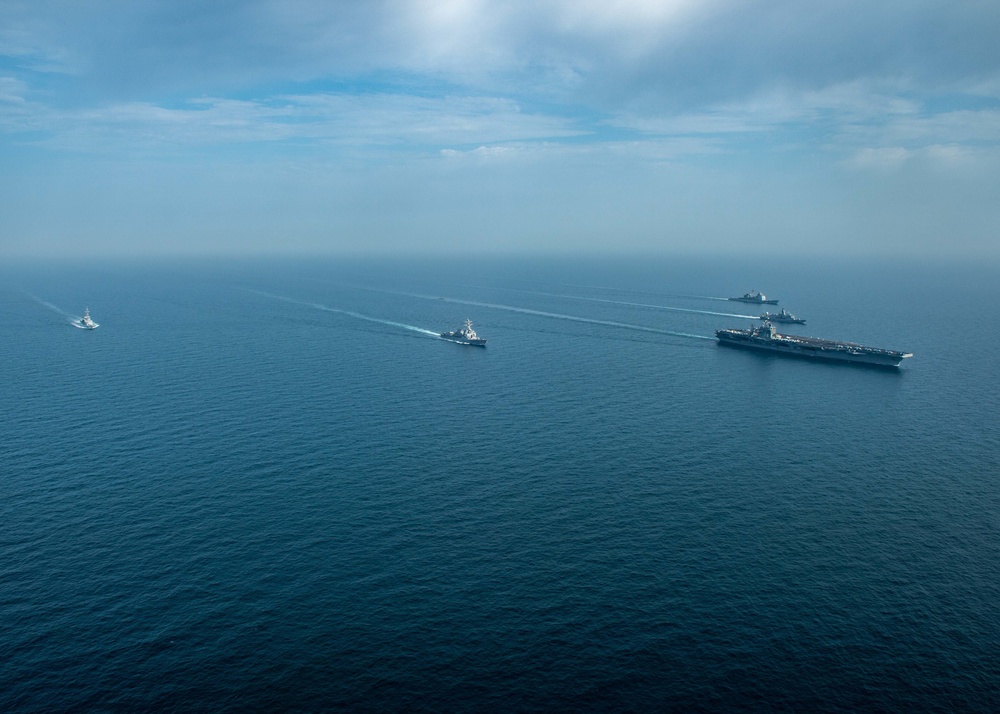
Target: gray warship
(464, 336)
(783, 316)
(765, 337)
(754, 297)
(85, 322)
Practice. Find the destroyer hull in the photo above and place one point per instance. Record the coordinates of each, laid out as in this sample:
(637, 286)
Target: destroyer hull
(459, 339)
(465, 336)
(471, 343)
(753, 301)
(783, 319)
(814, 349)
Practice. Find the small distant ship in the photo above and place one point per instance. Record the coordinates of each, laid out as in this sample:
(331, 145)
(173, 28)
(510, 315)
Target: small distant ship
(85, 323)
(783, 316)
(756, 297)
(465, 336)
(765, 337)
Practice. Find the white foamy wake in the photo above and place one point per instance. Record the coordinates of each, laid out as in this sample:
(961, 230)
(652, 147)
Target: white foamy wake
(642, 304)
(635, 292)
(349, 313)
(560, 316)
(73, 319)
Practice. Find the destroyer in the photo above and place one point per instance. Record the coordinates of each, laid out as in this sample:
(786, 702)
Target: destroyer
(783, 316)
(85, 323)
(767, 338)
(756, 297)
(465, 336)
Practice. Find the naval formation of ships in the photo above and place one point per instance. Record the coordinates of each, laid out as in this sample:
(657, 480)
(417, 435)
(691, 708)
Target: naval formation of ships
(765, 337)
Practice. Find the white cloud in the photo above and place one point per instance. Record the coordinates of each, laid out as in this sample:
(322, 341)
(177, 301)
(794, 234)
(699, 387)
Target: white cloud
(962, 126)
(888, 158)
(347, 120)
(873, 125)
(607, 103)
(12, 90)
(949, 158)
(779, 108)
(31, 34)
(483, 153)
(387, 118)
(684, 56)
(950, 155)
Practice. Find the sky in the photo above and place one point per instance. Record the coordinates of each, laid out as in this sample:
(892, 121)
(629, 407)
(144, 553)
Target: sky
(730, 127)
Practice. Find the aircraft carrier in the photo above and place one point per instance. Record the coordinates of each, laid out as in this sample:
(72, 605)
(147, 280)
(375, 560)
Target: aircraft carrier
(765, 337)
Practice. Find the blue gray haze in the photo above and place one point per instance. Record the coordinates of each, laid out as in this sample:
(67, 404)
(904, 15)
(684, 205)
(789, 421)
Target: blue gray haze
(267, 485)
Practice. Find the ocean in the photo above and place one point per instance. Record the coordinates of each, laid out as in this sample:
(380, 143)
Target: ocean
(267, 485)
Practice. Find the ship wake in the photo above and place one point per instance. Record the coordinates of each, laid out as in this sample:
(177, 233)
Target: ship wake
(73, 319)
(646, 305)
(348, 313)
(560, 316)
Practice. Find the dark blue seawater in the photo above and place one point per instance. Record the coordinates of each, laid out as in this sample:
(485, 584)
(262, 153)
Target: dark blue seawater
(267, 486)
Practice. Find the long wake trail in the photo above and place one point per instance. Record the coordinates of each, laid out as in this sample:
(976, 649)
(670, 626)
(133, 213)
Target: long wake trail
(558, 316)
(635, 292)
(641, 304)
(53, 308)
(349, 313)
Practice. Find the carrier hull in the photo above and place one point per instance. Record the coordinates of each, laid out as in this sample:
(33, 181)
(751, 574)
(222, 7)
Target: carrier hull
(765, 339)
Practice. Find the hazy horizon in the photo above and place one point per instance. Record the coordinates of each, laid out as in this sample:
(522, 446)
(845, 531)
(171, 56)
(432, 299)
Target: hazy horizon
(402, 127)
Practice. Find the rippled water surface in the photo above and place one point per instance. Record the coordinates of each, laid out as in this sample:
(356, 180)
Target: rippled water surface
(268, 485)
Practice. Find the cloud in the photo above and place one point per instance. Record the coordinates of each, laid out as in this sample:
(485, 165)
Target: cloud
(961, 126)
(873, 124)
(602, 110)
(665, 53)
(375, 120)
(887, 158)
(652, 66)
(12, 91)
(30, 35)
(426, 121)
(955, 160)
